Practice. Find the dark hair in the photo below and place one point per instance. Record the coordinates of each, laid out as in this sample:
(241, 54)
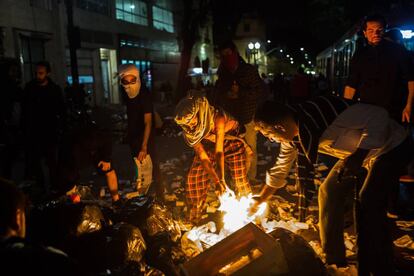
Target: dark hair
(45, 64)
(374, 18)
(227, 44)
(11, 200)
(272, 113)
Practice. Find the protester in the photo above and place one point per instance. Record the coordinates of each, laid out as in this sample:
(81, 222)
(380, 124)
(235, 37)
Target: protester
(300, 87)
(140, 120)
(214, 136)
(19, 256)
(83, 147)
(238, 89)
(360, 136)
(379, 70)
(43, 112)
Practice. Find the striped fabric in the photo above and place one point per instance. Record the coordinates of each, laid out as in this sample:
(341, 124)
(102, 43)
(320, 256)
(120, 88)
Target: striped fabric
(314, 117)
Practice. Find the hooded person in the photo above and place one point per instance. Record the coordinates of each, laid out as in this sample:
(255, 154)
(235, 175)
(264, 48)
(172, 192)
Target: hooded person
(140, 133)
(213, 134)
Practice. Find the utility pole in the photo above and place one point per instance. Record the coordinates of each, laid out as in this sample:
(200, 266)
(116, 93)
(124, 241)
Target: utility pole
(74, 42)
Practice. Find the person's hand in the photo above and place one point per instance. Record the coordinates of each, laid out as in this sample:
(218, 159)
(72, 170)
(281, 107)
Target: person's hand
(221, 187)
(254, 207)
(104, 166)
(142, 154)
(406, 114)
(352, 167)
(234, 91)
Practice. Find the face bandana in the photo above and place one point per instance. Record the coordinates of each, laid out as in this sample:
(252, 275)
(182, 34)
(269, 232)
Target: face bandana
(231, 61)
(132, 86)
(196, 118)
(132, 89)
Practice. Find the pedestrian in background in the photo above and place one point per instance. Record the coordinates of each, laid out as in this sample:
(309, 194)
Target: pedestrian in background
(237, 91)
(43, 120)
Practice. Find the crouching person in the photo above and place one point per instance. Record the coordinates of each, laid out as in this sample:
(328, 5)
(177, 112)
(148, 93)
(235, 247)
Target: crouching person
(83, 147)
(213, 134)
(360, 136)
(18, 256)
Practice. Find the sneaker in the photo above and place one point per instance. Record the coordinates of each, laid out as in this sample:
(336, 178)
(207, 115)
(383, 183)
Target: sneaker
(407, 178)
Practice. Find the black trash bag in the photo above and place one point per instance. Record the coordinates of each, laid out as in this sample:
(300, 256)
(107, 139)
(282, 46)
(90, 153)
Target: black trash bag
(160, 220)
(133, 211)
(90, 251)
(55, 223)
(126, 245)
(159, 254)
(300, 257)
(134, 269)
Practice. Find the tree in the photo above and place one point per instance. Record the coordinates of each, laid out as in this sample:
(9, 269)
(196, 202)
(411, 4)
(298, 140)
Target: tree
(195, 14)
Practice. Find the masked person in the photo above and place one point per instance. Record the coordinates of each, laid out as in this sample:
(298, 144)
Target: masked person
(238, 90)
(213, 134)
(140, 133)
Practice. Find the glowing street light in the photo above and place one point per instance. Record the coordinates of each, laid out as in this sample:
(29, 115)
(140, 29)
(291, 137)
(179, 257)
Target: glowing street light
(132, 7)
(281, 50)
(291, 62)
(287, 56)
(302, 49)
(250, 45)
(268, 41)
(257, 45)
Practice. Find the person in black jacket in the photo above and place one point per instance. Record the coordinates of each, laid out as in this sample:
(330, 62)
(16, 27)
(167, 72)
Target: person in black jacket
(43, 115)
(18, 255)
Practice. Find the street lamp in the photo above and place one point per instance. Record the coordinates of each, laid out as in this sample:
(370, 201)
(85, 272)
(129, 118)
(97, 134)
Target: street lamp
(253, 50)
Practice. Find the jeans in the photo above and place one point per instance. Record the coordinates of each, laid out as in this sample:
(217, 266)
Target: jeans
(251, 140)
(374, 240)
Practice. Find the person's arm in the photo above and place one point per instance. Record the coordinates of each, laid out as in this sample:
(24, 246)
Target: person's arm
(349, 92)
(219, 128)
(147, 131)
(276, 176)
(208, 166)
(406, 114)
(353, 79)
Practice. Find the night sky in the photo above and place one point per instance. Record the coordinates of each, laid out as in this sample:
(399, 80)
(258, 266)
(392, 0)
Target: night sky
(313, 24)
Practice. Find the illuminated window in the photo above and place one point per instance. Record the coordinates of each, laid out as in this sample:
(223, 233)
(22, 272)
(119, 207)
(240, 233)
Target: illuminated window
(162, 19)
(132, 11)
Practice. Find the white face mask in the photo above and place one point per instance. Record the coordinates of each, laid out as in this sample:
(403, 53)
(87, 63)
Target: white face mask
(132, 90)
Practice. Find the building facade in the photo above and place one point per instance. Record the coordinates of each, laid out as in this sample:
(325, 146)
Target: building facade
(250, 39)
(109, 33)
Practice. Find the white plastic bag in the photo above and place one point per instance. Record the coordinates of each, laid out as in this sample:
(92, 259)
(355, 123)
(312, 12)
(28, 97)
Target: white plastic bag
(144, 174)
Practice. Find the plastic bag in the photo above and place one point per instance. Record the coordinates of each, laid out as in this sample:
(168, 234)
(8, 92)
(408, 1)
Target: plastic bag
(90, 220)
(144, 174)
(160, 220)
(127, 244)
